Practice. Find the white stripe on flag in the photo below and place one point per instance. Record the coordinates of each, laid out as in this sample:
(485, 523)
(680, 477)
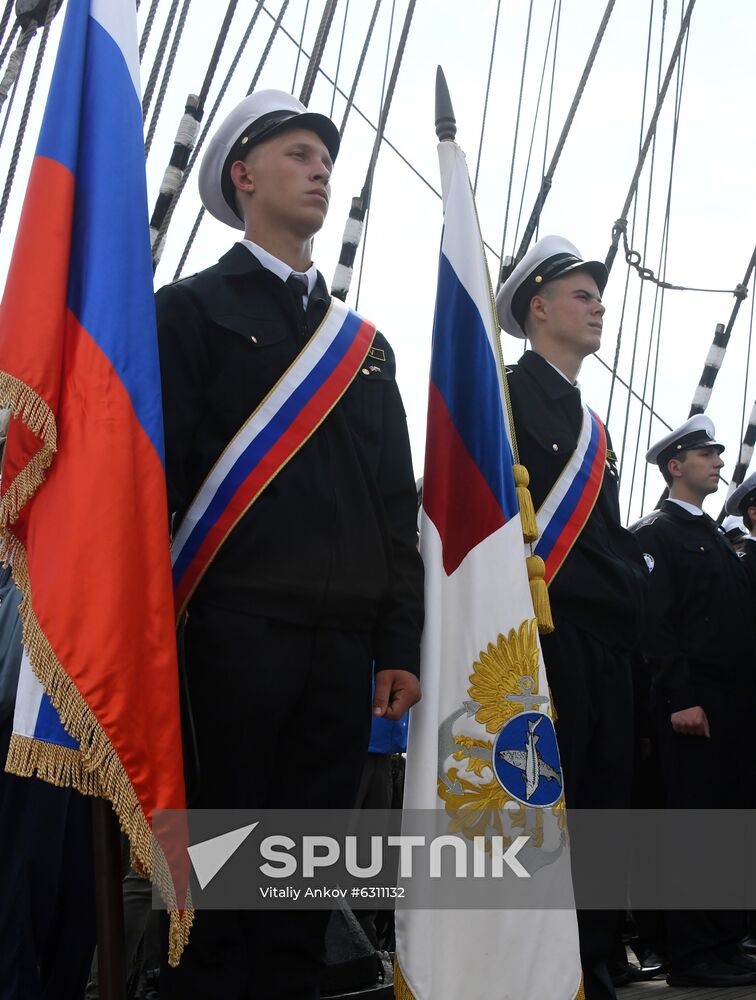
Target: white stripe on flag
(28, 699)
(117, 18)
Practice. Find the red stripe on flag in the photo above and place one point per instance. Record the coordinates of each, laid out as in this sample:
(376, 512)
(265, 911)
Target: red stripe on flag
(293, 437)
(33, 311)
(96, 532)
(456, 496)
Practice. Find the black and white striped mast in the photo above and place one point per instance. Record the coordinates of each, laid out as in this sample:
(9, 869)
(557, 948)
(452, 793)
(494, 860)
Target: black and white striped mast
(718, 348)
(184, 144)
(749, 437)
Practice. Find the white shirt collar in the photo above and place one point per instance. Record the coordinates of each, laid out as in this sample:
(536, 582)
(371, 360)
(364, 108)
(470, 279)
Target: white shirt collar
(576, 384)
(691, 509)
(281, 270)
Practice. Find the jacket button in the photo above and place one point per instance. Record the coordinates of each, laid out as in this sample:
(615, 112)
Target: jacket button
(555, 447)
(702, 548)
(365, 371)
(253, 338)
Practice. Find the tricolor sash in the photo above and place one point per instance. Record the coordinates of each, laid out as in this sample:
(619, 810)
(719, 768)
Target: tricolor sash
(293, 409)
(568, 506)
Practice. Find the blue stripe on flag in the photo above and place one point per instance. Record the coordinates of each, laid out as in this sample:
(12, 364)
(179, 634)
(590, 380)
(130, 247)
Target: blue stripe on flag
(110, 222)
(59, 136)
(265, 440)
(464, 371)
(49, 728)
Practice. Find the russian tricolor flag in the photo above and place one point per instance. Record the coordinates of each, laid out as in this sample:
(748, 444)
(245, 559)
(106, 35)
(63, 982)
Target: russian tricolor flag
(481, 664)
(84, 512)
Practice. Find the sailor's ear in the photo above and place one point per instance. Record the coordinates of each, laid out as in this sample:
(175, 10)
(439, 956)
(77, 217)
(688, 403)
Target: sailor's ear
(242, 176)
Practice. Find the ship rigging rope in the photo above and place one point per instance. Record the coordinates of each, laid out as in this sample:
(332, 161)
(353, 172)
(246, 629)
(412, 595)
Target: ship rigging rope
(747, 368)
(338, 58)
(210, 119)
(488, 91)
(8, 112)
(186, 137)
(166, 77)
(16, 61)
(748, 437)
(361, 205)
(659, 296)
(52, 10)
(549, 175)
(300, 50)
(617, 228)
(535, 119)
(317, 51)
(646, 75)
(358, 71)
(155, 71)
(147, 27)
(517, 128)
(4, 21)
(9, 43)
(212, 66)
(268, 45)
(548, 115)
(656, 304)
(366, 188)
(716, 355)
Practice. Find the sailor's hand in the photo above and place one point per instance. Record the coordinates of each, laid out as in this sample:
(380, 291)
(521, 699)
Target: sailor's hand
(691, 722)
(395, 692)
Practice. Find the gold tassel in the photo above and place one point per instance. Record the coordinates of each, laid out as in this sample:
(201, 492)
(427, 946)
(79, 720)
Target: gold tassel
(540, 594)
(525, 502)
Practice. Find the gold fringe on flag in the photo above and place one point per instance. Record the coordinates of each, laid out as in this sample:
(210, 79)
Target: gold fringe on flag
(96, 768)
(580, 995)
(57, 765)
(401, 989)
(525, 501)
(35, 413)
(540, 594)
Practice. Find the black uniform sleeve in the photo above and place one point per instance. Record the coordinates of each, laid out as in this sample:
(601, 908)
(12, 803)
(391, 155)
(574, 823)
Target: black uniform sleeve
(662, 644)
(400, 617)
(183, 365)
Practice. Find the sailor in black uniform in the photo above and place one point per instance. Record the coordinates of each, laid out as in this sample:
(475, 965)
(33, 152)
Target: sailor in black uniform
(703, 693)
(742, 503)
(320, 578)
(553, 297)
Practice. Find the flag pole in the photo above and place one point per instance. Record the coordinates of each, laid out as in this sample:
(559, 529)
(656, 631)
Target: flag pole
(446, 123)
(106, 842)
(446, 130)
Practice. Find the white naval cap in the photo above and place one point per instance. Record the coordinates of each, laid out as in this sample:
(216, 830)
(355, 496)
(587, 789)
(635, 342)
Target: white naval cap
(744, 496)
(733, 528)
(259, 116)
(696, 432)
(550, 258)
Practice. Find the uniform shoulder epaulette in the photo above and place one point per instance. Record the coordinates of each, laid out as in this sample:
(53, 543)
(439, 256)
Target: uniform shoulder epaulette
(184, 277)
(648, 519)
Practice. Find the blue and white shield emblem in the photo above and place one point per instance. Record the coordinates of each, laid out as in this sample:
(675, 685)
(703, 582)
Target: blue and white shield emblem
(526, 759)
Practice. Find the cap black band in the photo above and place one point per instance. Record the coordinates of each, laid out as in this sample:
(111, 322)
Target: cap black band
(696, 439)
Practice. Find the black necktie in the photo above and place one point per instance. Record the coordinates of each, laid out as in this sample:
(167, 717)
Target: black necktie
(298, 288)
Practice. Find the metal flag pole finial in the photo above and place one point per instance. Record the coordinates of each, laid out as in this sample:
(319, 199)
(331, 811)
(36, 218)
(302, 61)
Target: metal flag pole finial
(446, 123)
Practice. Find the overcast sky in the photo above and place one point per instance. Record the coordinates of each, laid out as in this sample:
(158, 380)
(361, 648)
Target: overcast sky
(712, 219)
